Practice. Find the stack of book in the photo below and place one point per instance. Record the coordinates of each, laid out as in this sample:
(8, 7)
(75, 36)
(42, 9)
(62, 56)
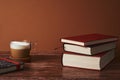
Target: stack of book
(89, 51)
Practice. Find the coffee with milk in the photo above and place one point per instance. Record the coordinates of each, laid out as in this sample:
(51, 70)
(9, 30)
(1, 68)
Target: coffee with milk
(20, 49)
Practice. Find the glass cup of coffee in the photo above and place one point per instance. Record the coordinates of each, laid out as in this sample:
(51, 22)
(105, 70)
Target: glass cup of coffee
(20, 49)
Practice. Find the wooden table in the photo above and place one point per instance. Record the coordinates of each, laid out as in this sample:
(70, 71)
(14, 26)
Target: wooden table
(48, 67)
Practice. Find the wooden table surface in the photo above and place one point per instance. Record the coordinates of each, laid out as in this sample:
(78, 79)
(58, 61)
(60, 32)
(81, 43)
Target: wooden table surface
(49, 67)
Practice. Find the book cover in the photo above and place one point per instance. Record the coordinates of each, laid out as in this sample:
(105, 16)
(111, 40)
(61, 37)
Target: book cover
(95, 62)
(89, 39)
(8, 65)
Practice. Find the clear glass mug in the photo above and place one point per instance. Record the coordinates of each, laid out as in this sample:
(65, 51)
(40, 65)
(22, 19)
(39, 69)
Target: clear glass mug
(20, 49)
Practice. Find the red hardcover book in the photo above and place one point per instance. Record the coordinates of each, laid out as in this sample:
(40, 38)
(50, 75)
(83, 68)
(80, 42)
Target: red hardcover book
(90, 50)
(89, 39)
(95, 62)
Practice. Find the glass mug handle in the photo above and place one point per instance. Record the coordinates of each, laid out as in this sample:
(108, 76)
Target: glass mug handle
(32, 45)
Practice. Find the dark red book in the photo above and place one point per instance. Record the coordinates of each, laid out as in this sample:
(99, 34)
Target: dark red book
(89, 39)
(8, 65)
(89, 50)
(95, 62)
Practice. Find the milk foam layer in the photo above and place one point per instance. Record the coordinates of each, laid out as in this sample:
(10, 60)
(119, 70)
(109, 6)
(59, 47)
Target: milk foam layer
(19, 45)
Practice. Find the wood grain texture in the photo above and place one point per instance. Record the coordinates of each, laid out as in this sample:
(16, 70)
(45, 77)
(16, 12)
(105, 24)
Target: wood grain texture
(49, 67)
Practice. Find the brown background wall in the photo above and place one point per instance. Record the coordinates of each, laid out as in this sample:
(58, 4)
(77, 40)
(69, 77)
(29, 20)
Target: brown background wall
(44, 22)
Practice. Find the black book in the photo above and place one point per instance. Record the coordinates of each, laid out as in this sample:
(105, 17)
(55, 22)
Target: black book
(8, 65)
